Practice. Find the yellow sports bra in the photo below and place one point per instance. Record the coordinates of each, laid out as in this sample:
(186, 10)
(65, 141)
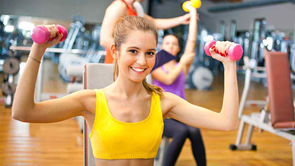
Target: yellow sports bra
(113, 139)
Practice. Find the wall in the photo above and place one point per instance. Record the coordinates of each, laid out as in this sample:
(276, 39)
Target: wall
(278, 16)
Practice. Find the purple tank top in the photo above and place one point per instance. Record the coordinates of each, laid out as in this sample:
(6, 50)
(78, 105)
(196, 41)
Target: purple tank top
(177, 87)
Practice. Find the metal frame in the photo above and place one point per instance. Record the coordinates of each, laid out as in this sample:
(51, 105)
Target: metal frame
(261, 121)
(252, 72)
(159, 160)
(244, 102)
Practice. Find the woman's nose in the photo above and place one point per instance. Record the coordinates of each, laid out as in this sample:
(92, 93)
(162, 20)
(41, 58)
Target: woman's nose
(141, 59)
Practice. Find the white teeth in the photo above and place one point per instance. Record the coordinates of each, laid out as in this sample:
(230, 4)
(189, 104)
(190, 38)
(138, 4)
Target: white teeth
(138, 70)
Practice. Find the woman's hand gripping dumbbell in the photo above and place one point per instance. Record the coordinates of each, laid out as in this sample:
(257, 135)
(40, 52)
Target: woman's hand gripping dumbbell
(191, 7)
(232, 50)
(46, 36)
(52, 33)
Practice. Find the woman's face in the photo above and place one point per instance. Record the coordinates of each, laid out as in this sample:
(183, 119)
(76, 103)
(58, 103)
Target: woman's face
(136, 57)
(171, 45)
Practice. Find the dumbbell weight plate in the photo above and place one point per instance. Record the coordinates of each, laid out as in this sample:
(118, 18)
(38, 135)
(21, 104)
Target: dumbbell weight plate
(12, 53)
(11, 66)
(202, 78)
(185, 6)
(8, 88)
(196, 3)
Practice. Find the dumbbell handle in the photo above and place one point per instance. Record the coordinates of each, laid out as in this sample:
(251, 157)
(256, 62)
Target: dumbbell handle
(41, 34)
(235, 51)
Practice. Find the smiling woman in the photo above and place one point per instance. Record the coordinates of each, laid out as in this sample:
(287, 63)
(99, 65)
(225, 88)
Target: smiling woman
(136, 58)
(126, 117)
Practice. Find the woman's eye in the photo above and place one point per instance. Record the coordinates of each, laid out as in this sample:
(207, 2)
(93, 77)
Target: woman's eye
(133, 51)
(151, 53)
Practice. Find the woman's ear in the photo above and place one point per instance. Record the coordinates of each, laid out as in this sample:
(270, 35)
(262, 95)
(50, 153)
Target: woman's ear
(114, 52)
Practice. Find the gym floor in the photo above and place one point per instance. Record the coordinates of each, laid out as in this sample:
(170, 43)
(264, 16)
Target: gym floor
(62, 143)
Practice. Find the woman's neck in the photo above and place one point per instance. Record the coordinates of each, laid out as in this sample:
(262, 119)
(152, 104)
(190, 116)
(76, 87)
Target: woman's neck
(128, 88)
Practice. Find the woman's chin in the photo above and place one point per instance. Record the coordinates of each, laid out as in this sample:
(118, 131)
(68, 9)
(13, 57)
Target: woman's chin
(137, 80)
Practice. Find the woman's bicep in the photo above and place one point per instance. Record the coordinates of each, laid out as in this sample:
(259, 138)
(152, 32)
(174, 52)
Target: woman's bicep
(193, 115)
(58, 109)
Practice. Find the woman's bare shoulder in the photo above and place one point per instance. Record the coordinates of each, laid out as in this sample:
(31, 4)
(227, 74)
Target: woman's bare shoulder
(168, 100)
(86, 93)
(87, 97)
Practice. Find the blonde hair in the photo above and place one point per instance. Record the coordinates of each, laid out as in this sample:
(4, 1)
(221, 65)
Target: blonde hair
(121, 29)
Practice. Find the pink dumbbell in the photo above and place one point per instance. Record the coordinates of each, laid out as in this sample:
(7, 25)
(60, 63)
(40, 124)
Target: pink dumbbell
(41, 34)
(235, 51)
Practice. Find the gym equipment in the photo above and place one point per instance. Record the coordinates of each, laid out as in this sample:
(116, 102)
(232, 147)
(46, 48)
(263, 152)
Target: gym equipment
(257, 52)
(11, 66)
(235, 51)
(41, 34)
(251, 71)
(244, 40)
(202, 64)
(159, 159)
(8, 88)
(277, 116)
(15, 38)
(202, 78)
(194, 3)
(76, 28)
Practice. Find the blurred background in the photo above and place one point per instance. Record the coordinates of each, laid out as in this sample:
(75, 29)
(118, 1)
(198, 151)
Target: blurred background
(255, 24)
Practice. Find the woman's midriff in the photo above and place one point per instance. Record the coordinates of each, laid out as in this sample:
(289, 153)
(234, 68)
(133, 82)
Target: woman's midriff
(127, 162)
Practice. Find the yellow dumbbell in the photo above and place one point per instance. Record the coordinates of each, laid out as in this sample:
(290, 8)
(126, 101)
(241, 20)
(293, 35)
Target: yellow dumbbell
(194, 3)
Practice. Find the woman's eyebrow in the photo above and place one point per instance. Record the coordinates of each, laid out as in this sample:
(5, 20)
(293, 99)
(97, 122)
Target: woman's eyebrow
(151, 49)
(133, 47)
